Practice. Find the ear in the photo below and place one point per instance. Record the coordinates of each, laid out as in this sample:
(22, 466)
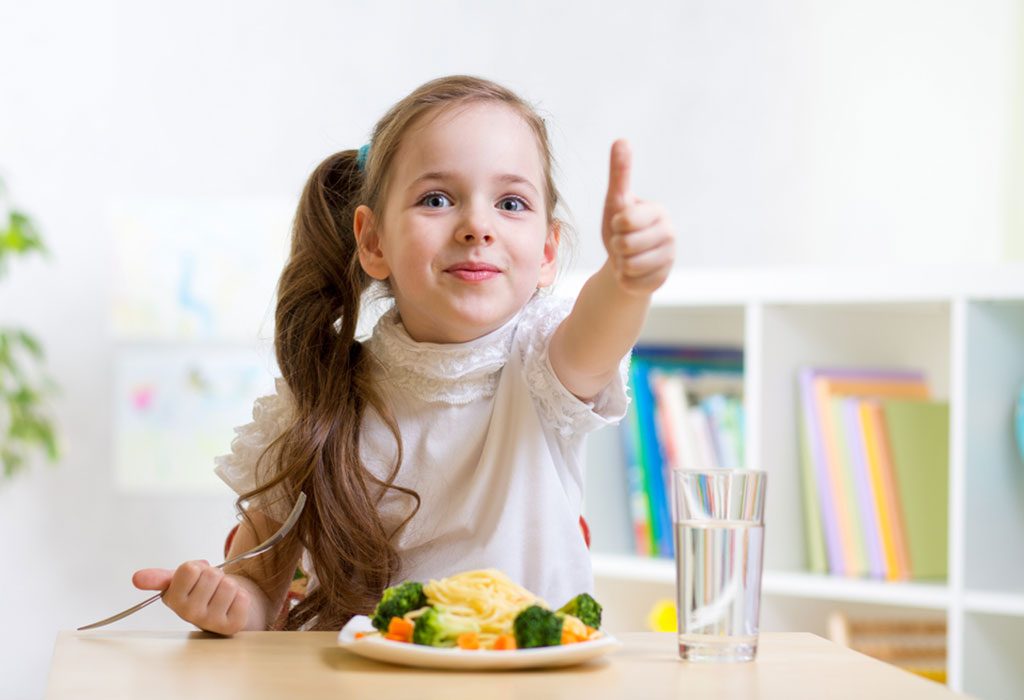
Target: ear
(371, 257)
(549, 265)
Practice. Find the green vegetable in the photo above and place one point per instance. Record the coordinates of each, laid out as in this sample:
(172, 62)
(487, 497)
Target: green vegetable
(436, 628)
(537, 627)
(396, 602)
(585, 608)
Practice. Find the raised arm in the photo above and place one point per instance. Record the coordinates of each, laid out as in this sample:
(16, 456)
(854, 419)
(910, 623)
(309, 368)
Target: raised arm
(605, 322)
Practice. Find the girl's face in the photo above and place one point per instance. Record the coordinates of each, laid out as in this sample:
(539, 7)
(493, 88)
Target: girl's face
(464, 237)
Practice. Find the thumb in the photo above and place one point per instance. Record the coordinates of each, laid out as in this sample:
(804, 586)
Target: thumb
(152, 579)
(618, 178)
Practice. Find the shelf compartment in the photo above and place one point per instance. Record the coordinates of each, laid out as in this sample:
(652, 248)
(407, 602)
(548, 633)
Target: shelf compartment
(907, 335)
(993, 656)
(994, 472)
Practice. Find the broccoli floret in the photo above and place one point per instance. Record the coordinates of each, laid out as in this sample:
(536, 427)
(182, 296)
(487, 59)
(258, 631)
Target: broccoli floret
(436, 628)
(585, 608)
(537, 627)
(396, 602)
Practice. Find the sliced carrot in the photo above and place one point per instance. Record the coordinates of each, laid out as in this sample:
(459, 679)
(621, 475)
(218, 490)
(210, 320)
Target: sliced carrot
(396, 637)
(505, 642)
(569, 638)
(468, 640)
(360, 635)
(400, 627)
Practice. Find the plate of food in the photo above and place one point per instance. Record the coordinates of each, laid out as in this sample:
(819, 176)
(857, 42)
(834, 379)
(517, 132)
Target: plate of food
(477, 620)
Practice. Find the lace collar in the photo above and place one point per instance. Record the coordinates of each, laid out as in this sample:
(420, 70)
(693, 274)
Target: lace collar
(455, 373)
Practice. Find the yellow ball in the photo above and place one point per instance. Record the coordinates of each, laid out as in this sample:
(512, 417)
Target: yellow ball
(662, 617)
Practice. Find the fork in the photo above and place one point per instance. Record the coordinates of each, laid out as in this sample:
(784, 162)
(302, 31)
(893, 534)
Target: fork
(259, 549)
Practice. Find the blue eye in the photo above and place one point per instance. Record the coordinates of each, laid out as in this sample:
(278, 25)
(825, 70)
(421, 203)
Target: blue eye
(519, 204)
(435, 200)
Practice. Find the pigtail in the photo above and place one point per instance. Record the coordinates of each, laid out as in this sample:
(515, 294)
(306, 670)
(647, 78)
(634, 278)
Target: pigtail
(319, 296)
(321, 285)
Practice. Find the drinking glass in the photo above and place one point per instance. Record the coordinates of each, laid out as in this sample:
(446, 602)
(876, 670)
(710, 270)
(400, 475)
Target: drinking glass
(719, 531)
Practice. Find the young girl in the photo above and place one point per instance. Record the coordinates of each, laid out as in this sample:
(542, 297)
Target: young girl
(453, 437)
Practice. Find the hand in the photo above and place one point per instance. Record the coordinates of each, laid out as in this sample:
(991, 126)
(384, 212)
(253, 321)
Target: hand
(201, 594)
(637, 235)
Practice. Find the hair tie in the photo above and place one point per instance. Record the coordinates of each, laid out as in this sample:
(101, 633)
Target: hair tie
(364, 153)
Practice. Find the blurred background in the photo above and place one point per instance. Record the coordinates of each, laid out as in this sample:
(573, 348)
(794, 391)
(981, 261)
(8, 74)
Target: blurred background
(159, 149)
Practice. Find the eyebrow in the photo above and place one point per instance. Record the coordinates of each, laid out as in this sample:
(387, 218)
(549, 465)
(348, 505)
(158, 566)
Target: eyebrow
(510, 178)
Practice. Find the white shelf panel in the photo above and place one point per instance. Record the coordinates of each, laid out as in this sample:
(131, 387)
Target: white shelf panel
(816, 285)
(994, 603)
(926, 596)
(623, 567)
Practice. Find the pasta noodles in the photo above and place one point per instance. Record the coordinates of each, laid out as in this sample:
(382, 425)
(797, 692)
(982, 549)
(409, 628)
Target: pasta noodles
(486, 602)
(486, 597)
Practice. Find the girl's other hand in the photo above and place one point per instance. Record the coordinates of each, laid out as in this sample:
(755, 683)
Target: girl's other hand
(201, 594)
(638, 235)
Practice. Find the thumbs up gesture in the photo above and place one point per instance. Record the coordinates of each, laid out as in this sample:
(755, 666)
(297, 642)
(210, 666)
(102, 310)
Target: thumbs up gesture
(638, 235)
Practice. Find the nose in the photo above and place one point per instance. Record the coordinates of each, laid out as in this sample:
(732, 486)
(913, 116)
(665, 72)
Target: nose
(475, 227)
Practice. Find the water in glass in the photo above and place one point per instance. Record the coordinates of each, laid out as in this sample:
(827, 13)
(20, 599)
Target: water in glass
(719, 570)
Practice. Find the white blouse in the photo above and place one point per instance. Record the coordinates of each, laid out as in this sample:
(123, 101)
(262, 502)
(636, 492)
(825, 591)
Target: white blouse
(492, 442)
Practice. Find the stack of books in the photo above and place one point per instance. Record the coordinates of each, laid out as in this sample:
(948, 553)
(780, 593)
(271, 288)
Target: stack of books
(686, 413)
(875, 458)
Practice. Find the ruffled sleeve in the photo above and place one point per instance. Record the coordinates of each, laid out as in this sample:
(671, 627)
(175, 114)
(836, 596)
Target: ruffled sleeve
(558, 406)
(272, 415)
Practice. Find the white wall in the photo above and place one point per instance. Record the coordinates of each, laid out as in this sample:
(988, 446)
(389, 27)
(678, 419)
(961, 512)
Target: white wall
(776, 133)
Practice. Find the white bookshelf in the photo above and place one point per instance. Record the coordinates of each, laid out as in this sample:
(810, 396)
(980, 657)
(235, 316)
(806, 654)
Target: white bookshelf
(795, 584)
(964, 326)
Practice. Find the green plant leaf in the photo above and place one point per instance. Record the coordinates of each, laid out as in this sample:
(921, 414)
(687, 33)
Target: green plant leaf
(5, 349)
(12, 461)
(28, 429)
(50, 442)
(7, 358)
(29, 233)
(20, 236)
(30, 343)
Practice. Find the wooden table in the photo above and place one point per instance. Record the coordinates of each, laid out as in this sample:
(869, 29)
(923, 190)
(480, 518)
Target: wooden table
(103, 665)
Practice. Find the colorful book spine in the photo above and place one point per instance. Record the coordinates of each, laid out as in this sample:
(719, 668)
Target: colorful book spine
(718, 409)
(843, 495)
(918, 432)
(832, 511)
(667, 429)
(651, 461)
(867, 496)
(702, 439)
(639, 508)
(814, 524)
(890, 525)
(821, 476)
(669, 439)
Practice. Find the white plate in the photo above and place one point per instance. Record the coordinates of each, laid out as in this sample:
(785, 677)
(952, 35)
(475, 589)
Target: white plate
(380, 649)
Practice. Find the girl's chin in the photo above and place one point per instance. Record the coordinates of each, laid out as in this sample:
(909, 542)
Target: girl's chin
(464, 317)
